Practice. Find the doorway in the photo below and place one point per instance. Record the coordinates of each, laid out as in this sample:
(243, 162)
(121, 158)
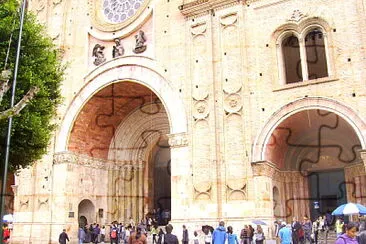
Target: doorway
(327, 190)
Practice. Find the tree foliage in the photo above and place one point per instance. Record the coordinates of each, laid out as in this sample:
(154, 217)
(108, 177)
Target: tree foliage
(40, 66)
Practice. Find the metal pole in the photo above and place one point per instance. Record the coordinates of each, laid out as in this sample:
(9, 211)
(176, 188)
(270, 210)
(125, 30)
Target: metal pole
(5, 172)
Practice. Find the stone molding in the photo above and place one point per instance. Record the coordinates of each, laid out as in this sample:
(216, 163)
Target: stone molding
(178, 140)
(200, 7)
(86, 161)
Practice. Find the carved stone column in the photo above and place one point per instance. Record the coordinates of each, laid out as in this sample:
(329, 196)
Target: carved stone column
(363, 157)
(181, 186)
(263, 173)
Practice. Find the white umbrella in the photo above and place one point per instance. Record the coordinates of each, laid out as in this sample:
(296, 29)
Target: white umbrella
(8, 218)
(350, 209)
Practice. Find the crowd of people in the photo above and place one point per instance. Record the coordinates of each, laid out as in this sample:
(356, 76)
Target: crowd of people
(132, 234)
(296, 232)
(305, 231)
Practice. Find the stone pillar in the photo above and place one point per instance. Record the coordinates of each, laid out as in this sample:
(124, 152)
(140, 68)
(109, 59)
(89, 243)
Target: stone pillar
(363, 157)
(181, 186)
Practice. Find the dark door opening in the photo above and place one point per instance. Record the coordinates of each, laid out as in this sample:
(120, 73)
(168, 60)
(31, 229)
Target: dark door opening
(162, 185)
(327, 191)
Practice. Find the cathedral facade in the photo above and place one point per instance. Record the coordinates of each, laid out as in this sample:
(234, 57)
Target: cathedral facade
(208, 110)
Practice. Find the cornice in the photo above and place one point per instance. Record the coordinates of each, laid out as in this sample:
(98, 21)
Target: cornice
(200, 7)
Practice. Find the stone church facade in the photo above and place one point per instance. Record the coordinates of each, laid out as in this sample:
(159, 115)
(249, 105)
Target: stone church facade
(208, 109)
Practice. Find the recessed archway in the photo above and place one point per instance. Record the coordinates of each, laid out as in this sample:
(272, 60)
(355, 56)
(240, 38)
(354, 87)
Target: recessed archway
(309, 147)
(86, 212)
(308, 103)
(140, 70)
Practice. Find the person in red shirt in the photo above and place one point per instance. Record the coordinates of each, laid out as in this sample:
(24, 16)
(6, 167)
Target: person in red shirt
(6, 233)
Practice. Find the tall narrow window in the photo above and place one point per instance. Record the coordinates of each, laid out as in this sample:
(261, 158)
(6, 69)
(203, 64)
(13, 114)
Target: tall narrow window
(292, 60)
(315, 54)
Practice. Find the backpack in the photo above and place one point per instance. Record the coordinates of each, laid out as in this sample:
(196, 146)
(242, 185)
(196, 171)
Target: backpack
(114, 233)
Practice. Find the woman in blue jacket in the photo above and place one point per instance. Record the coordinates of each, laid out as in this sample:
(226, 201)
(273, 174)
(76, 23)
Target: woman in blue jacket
(231, 238)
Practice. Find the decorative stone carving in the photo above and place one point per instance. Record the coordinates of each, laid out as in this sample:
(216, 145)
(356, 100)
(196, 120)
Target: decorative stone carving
(118, 49)
(56, 2)
(72, 158)
(98, 53)
(140, 40)
(178, 140)
(24, 204)
(233, 103)
(42, 202)
(296, 16)
(39, 5)
(202, 195)
(237, 194)
(199, 28)
(201, 110)
(229, 19)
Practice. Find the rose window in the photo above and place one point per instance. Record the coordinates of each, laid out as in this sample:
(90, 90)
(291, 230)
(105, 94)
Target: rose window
(118, 11)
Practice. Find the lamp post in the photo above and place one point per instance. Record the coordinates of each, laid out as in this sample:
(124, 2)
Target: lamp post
(5, 168)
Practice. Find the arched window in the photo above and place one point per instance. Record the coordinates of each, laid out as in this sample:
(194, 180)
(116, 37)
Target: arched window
(315, 54)
(303, 53)
(292, 60)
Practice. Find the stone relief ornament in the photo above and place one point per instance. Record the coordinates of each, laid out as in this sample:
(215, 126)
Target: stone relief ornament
(118, 49)
(297, 15)
(140, 41)
(201, 110)
(118, 11)
(98, 53)
(233, 103)
(177, 140)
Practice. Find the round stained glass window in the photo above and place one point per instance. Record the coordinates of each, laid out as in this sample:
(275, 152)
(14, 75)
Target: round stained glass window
(117, 11)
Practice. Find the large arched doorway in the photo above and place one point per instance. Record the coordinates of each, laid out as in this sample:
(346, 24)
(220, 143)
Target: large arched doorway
(313, 150)
(86, 213)
(125, 126)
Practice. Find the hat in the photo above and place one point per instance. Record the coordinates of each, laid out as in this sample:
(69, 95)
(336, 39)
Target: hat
(283, 223)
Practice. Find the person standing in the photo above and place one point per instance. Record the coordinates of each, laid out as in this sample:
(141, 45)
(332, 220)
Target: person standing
(81, 235)
(63, 237)
(161, 236)
(208, 236)
(154, 233)
(96, 232)
(137, 237)
(296, 226)
(195, 238)
(169, 238)
(339, 227)
(307, 226)
(102, 234)
(185, 238)
(285, 234)
(350, 236)
(259, 235)
(114, 234)
(244, 235)
(219, 235)
(231, 238)
(362, 234)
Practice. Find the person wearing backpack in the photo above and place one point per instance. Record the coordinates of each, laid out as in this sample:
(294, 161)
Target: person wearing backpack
(114, 234)
(350, 237)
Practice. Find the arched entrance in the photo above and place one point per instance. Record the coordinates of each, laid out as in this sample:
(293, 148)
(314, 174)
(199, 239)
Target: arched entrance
(86, 213)
(126, 125)
(312, 149)
(110, 133)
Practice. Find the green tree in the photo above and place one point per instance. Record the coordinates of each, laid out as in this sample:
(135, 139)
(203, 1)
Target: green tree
(38, 87)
